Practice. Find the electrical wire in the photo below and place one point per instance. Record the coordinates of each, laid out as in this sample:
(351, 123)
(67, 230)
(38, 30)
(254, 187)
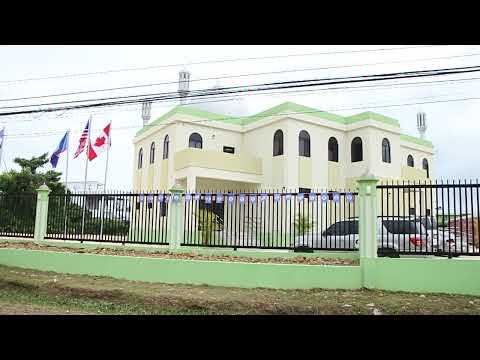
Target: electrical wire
(256, 116)
(243, 89)
(233, 76)
(214, 99)
(214, 62)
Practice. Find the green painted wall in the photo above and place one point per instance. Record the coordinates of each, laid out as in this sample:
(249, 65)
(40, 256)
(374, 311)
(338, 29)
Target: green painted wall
(429, 275)
(170, 271)
(424, 275)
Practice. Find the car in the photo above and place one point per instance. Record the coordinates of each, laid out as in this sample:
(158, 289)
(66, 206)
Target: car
(394, 234)
(443, 240)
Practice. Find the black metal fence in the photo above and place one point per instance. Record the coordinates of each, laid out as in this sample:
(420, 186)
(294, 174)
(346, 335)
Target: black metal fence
(427, 217)
(114, 217)
(271, 220)
(17, 215)
(440, 218)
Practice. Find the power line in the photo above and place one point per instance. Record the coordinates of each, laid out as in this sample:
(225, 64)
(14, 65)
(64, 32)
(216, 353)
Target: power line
(214, 62)
(258, 116)
(214, 99)
(242, 89)
(235, 76)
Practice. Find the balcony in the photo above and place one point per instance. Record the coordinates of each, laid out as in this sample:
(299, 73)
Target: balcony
(216, 160)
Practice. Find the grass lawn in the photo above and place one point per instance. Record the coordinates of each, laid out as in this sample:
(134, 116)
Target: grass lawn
(36, 292)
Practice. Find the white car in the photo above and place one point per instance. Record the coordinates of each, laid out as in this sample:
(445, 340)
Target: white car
(443, 240)
(394, 234)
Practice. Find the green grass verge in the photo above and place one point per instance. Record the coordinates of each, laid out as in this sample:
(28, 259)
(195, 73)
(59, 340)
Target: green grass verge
(20, 293)
(63, 293)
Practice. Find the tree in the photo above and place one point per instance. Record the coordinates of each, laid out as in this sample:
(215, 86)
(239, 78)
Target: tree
(28, 179)
(18, 202)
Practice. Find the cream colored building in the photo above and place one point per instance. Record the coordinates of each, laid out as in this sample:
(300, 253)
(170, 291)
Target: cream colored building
(288, 147)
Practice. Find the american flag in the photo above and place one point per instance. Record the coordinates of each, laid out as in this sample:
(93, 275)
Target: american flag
(83, 140)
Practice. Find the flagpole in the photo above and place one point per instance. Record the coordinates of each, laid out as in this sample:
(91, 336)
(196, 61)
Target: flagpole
(86, 172)
(105, 182)
(66, 184)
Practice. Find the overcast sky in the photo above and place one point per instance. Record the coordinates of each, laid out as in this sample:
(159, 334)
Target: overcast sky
(453, 126)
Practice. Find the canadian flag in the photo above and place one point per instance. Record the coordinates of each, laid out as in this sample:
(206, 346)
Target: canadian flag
(102, 143)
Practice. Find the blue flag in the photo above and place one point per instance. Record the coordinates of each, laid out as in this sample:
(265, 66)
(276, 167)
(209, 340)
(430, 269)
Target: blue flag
(60, 149)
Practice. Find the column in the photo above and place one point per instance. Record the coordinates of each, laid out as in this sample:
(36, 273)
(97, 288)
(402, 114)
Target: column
(175, 217)
(41, 215)
(191, 183)
(367, 218)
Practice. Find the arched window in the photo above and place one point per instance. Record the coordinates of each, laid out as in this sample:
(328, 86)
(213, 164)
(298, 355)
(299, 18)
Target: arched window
(332, 149)
(140, 158)
(278, 143)
(425, 167)
(357, 150)
(152, 153)
(165, 147)
(386, 158)
(304, 144)
(410, 161)
(195, 141)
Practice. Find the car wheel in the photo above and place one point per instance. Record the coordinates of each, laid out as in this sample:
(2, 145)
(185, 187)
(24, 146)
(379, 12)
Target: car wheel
(304, 249)
(439, 252)
(388, 252)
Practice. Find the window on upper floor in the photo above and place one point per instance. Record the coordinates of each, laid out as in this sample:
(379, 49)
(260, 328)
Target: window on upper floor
(140, 158)
(357, 150)
(165, 147)
(332, 149)
(278, 143)
(195, 141)
(304, 144)
(425, 167)
(386, 156)
(152, 153)
(410, 162)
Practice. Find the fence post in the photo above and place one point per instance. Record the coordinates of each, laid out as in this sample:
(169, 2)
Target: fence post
(175, 217)
(41, 214)
(367, 226)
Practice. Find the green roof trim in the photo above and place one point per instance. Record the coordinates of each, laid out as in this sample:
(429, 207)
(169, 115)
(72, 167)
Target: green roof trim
(289, 108)
(188, 110)
(367, 115)
(416, 140)
(285, 108)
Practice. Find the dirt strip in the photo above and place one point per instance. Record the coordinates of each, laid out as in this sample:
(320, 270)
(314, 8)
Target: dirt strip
(303, 260)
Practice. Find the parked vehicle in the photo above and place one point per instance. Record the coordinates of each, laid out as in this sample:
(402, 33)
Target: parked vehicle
(443, 240)
(394, 234)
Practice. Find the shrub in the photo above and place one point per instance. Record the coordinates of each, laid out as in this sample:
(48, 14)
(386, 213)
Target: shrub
(302, 224)
(207, 223)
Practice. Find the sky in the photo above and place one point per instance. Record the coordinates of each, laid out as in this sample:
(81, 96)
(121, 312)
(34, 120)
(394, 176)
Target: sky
(452, 126)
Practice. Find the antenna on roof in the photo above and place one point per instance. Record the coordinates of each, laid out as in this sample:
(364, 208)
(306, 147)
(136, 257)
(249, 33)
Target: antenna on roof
(183, 85)
(146, 108)
(421, 124)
